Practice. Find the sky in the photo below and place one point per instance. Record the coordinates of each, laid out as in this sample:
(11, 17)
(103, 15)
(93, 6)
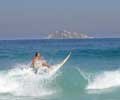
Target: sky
(21, 19)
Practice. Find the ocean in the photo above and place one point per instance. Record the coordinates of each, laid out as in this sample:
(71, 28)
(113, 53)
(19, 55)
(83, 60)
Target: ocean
(91, 73)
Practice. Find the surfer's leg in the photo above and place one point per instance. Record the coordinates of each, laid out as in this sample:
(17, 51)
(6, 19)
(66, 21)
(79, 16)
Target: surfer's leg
(35, 70)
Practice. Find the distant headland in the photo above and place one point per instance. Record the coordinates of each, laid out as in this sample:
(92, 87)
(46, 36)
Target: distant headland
(67, 35)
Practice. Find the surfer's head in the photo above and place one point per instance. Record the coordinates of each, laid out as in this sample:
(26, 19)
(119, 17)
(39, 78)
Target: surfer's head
(37, 54)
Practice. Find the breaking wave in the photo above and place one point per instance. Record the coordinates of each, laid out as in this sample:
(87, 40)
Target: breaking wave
(102, 80)
(22, 81)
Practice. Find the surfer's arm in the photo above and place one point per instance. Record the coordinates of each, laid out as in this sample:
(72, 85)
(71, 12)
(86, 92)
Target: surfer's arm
(33, 62)
(45, 64)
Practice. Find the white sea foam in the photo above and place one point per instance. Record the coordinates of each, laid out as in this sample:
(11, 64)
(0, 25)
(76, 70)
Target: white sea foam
(104, 80)
(24, 82)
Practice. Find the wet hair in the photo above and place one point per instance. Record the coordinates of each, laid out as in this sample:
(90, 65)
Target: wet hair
(36, 54)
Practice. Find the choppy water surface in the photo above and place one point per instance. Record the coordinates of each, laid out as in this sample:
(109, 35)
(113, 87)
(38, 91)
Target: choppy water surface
(91, 73)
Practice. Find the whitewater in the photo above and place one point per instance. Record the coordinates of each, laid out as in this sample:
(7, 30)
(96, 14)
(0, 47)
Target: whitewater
(91, 73)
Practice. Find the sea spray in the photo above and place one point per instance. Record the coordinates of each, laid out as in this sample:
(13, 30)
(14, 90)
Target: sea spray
(24, 82)
(104, 80)
(101, 80)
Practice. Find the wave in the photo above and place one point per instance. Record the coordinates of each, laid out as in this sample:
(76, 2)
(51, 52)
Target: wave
(21, 81)
(103, 80)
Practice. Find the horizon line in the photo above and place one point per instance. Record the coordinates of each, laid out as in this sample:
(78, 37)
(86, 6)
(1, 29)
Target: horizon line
(60, 38)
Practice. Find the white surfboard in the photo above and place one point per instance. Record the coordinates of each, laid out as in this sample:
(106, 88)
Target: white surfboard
(53, 68)
(56, 67)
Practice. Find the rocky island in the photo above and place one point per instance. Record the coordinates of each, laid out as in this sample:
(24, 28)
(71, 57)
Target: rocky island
(67, 35)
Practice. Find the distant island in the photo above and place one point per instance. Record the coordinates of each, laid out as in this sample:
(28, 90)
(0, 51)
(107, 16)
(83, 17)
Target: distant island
(67, 35)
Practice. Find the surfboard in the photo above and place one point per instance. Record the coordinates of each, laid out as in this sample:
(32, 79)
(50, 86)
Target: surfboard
(56, 67)
(53, 68)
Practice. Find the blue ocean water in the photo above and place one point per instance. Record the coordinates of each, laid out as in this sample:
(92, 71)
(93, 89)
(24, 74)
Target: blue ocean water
(91, 73)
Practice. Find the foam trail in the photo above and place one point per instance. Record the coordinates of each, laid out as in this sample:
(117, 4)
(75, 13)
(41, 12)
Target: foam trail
(104, 80)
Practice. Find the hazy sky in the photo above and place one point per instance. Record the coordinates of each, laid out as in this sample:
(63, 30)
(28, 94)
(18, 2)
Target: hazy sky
(35, 18)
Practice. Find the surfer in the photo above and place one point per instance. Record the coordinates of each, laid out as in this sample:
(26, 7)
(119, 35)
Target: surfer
(39, 62)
